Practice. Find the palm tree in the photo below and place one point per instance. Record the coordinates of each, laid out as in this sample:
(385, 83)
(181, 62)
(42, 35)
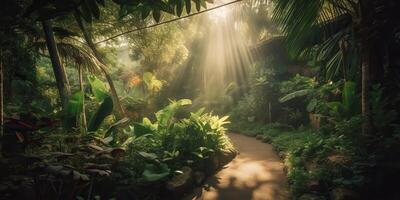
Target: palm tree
(99, 57)
(343, 32)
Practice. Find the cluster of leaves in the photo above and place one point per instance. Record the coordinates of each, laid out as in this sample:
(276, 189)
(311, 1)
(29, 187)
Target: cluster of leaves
(90, 9)
(128, 154)
(325, 100)
(260, 96)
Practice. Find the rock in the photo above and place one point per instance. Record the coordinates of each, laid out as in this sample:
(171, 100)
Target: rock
(343, 194)
(226, 156)
(282, 155)
(180, 183)
(266, 139)
(259, 137)
(199, 177)
(310, 197)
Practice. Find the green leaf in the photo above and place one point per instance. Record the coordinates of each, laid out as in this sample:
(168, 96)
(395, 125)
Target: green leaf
(141, 129)
(74, 106)
(102, 112)
(156, 15)
(145, 12)
(149, 156)
(295, 94)
(154, 173)
(117, 124)
(188, 4)
(198, 5)
(98, 88)
(349, 94)
(74, 109)
(179, 7)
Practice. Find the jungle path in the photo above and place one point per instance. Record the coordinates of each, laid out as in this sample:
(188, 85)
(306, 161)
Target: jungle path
(255, 174)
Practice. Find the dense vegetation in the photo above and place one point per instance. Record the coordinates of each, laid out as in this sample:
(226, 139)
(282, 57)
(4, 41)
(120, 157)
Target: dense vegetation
(95, 95)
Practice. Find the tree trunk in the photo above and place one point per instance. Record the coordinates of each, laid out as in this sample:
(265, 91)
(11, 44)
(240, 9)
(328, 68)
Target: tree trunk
(1, 96)
(58, 69)
(83, 115)
(365, 81)
(366, 62)
(99, 57)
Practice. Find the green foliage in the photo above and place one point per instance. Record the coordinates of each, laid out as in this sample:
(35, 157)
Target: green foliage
(299, 93)
(105, 109)
(152, 83)
(312, 157)
(164, 117)
(159, 148)
(350, 104)
(73, 110)
(98, 88)
(104, 103)
(154, 173)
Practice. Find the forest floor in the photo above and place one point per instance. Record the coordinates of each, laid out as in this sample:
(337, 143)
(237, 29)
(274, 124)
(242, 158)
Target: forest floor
(255, 174)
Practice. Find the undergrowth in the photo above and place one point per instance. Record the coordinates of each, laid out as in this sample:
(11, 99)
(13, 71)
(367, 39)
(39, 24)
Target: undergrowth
(315, 163)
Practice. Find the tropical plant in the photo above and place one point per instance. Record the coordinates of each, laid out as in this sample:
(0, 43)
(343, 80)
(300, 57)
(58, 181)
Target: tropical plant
(339, 29)
(350, 104)
(75, 106)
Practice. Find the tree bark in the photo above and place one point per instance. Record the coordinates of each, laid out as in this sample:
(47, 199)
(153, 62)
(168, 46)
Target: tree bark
(58, 69)
(365, 87)
(83, 115)
(1, 97)
(366, 62)
(99, 57)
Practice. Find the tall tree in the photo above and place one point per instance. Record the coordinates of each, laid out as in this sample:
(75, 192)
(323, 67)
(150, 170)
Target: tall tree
(366, 44)
(99, 57)
(58, 69)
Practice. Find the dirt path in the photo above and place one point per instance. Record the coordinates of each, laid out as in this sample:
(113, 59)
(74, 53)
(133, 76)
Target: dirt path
(255, 174)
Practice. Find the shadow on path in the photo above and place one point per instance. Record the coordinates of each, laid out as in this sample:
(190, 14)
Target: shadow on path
(255, 174)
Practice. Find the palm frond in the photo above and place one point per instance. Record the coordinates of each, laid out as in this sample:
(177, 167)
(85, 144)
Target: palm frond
(77, 55)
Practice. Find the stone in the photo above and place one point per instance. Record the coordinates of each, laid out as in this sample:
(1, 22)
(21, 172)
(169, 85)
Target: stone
(259, 137)
(266, 139)
(180, 183)
(226, 156)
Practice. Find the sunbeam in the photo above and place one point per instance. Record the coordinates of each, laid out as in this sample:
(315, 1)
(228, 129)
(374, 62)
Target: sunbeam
(226, 56)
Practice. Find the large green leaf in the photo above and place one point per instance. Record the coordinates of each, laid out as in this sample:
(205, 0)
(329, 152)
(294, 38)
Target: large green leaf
(102, 112)
(154, 173)
(141, 129)
(349, 99)
(295, 94)
(73, 110)
(165, 115)
(98, 88)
